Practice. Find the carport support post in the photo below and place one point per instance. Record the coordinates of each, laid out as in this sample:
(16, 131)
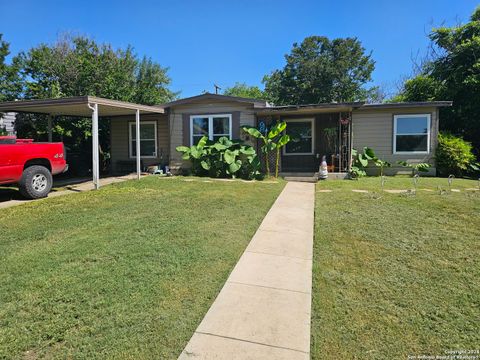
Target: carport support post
(137, 142)
(49, 127)
(95, 158)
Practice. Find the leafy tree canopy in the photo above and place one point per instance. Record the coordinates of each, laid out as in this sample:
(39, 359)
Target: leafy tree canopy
(452, 74)
(10, 82)
(321, 70)
(244, 90)
(78, 66)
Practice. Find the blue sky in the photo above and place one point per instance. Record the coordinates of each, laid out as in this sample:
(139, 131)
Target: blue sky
(206, 42)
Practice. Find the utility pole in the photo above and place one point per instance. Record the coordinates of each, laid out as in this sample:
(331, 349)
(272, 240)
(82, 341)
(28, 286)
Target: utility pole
(217, 88)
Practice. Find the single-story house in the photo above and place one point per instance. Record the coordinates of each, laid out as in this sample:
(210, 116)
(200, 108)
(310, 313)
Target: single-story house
(395, 131)
(7, 122)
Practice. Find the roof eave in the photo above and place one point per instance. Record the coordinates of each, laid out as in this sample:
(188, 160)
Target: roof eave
(409, 104)
(61, 106)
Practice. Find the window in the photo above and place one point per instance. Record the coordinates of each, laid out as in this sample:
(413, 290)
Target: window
(148, 139)
(301, 137)
(411, 134)
(213, 126)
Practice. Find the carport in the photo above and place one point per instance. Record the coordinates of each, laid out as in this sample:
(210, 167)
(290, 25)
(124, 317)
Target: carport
(85, 106)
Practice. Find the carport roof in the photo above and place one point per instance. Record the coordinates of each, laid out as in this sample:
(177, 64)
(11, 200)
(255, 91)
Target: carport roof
(78, 106)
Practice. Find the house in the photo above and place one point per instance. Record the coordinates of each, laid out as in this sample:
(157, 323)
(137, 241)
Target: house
(7, 123)
(395, 131)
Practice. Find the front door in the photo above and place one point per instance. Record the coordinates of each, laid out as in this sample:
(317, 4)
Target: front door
(299, 154)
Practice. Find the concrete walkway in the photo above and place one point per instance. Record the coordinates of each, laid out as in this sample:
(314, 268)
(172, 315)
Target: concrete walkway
(263, 310)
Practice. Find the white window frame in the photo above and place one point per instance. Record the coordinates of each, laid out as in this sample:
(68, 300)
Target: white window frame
(210, 125)
(312, 121)
(395, 133)
(130, 139)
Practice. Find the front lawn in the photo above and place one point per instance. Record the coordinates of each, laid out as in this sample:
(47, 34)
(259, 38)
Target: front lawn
(124, 272)
(395, 274)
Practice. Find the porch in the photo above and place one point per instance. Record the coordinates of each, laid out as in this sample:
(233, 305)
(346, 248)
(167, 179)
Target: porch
(316, 132)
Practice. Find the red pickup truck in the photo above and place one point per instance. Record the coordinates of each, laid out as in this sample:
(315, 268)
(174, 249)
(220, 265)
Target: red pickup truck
(30, 165)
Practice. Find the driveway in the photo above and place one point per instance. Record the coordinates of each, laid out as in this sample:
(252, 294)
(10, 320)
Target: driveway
(9, 196)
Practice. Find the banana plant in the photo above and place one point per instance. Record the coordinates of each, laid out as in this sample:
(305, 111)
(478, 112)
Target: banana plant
(274, 139)
(284, 140)
(382, 164)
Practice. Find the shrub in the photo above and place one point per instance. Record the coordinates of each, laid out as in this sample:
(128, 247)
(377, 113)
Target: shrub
(360, 161)
(453, 155)
(417, 168)
(221, 159)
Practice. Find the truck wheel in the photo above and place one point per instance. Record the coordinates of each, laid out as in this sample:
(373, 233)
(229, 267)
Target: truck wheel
(36, 182)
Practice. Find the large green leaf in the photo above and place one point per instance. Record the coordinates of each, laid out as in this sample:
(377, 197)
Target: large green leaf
(219, 147)
(205, 165)
(182, 149)
(247, 150)
(284, 140)
(252, 131)
(363, 160)
(196, 153)
(369, 153)
(380, 163)
(225, 141)
(404, 163)
(202, 142)
(234, 167)
(423, 167)
(230, 156)
(277, 129)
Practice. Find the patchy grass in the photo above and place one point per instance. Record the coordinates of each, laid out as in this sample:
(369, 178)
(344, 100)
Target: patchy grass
(395, 274)
(124, 272)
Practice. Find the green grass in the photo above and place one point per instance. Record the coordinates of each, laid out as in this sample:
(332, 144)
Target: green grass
(395, 274)
(124, 272)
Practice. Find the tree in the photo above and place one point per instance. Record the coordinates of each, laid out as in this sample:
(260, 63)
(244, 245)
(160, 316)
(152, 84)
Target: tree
(420, 88)
(452, 74)
(321, 70)
(10, 81)
(244, 90)
(78, 66)
(151, 80)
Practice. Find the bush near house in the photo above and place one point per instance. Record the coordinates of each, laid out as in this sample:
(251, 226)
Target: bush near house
(453, 155)
(222, 159)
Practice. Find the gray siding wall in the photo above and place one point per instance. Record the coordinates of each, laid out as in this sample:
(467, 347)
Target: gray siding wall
(119, 145)
(8, 121)
(374, 128)
(247, 117)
